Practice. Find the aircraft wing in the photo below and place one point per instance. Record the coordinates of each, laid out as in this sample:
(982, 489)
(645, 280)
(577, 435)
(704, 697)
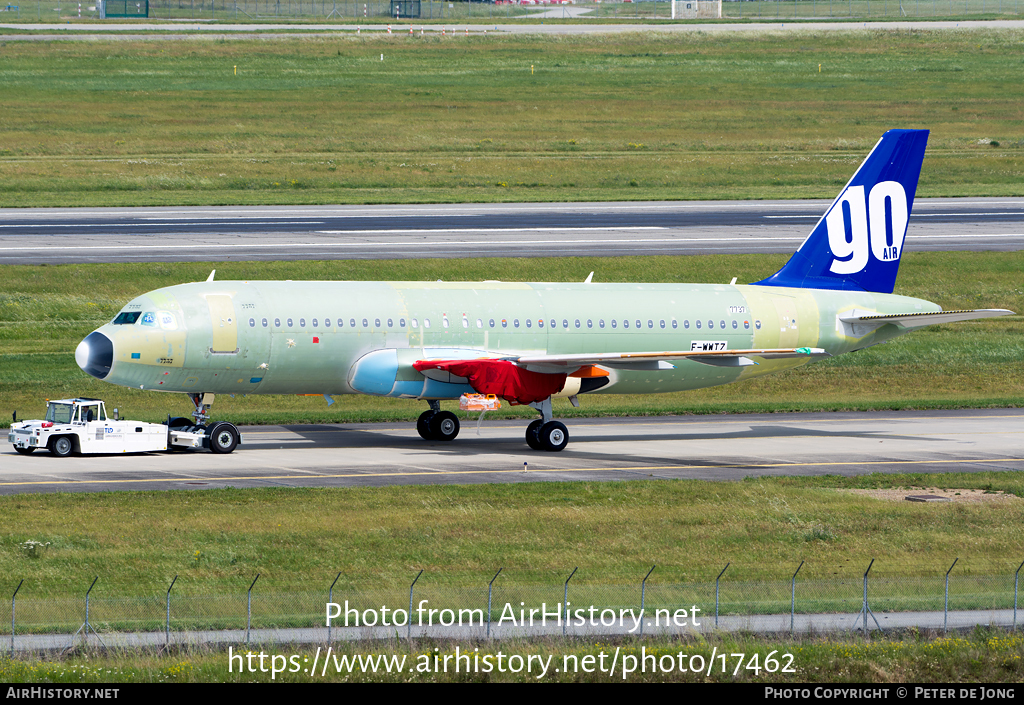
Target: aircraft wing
(661, 360)
(533, 378)
(863, 322)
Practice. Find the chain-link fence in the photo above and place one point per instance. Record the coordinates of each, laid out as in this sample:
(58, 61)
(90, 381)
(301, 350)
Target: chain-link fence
(376, 11)
(501, 607)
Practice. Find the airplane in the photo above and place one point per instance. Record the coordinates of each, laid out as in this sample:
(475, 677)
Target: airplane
(530, 342)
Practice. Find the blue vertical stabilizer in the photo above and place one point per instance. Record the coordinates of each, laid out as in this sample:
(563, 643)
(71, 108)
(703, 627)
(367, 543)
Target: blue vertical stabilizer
(857, 244)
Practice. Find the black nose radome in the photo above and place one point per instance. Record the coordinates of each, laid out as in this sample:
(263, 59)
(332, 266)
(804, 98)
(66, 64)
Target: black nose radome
(95, 355)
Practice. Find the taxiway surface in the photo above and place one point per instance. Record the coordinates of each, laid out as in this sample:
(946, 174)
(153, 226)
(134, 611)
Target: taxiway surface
(720, 447)
(237, 233)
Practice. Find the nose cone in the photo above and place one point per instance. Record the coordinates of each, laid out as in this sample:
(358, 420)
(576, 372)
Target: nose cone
(95, 355)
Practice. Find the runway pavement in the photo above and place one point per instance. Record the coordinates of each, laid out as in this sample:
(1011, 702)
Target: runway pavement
(216, 30)
(720, 447)
(69, 235)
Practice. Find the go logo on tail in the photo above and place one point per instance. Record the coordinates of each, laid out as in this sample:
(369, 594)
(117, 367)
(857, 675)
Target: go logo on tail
(849, 235)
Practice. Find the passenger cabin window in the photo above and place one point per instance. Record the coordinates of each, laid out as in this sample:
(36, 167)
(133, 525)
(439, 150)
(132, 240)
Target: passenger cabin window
(697, 324)
(352, 322)
(614, 323)
(734, 325)
(302, 323)
(426, 323)
(376, 323)
(316, 323)
(401, 323)
(625, 323)
(264, 322)
(327, 323)
(590, 323)
(277, 323)
(638, 326)
(289, 323)
(515, 322)
(415, 323)
(127, 318)
(746, 325)
(491, 323)
(504, 323)
(391, 323)
(252, 322)
(480, 323)
(366, 323)
(600, 323)
(529, 323)
(341, 323)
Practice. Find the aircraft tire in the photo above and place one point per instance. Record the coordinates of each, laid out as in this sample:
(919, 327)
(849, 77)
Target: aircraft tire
(61, 446)
(23, 451)
(533, 434)
(423, 424)
(554, 436)
(444, 426)
(223, 438)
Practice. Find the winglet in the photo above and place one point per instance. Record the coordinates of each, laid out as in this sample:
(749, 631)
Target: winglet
(210, 278)
(589, 278)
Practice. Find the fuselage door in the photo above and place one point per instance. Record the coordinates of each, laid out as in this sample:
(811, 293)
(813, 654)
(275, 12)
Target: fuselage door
(224, 324)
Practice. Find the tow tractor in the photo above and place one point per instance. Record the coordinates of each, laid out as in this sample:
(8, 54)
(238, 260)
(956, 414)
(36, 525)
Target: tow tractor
(81, 426)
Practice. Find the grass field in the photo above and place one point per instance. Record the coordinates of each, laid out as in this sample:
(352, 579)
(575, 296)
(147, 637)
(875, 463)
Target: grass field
(501, 118)
(46, 311)
(980, 657)
(298, 540)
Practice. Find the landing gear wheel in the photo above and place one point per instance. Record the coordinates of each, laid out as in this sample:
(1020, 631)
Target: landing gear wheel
(533, 434)
(223, 438)
(444, 426)
(23, 451)
(61, 446)
(554, 436)
(423, 424)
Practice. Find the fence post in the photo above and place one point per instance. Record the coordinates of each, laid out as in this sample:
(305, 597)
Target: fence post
(864, 608)
(248, 609)
(87, 625)
(792, 600)
(945, 607)
(565, 599)
(409, 633)
(1016, 575)
(716, 591)
(23, 580)
(490, 586)
(167, 624)
(643, 591)
(330, 600)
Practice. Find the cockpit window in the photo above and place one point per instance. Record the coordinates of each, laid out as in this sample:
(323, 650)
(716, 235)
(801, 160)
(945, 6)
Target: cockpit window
(127, 318)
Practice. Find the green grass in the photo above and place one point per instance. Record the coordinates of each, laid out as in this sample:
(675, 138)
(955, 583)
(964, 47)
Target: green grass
(981, 656)
(298, 540)
(618, 117)
(46, 311)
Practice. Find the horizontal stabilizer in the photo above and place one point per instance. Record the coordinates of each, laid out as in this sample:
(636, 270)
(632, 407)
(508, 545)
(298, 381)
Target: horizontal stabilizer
(863, 322)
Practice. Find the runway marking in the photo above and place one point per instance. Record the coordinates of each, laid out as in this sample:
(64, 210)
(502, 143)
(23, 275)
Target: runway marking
(435, 473)
(744, 422)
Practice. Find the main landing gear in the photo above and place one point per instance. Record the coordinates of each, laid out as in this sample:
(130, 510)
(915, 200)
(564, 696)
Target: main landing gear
(545, 433)
(436, 425)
